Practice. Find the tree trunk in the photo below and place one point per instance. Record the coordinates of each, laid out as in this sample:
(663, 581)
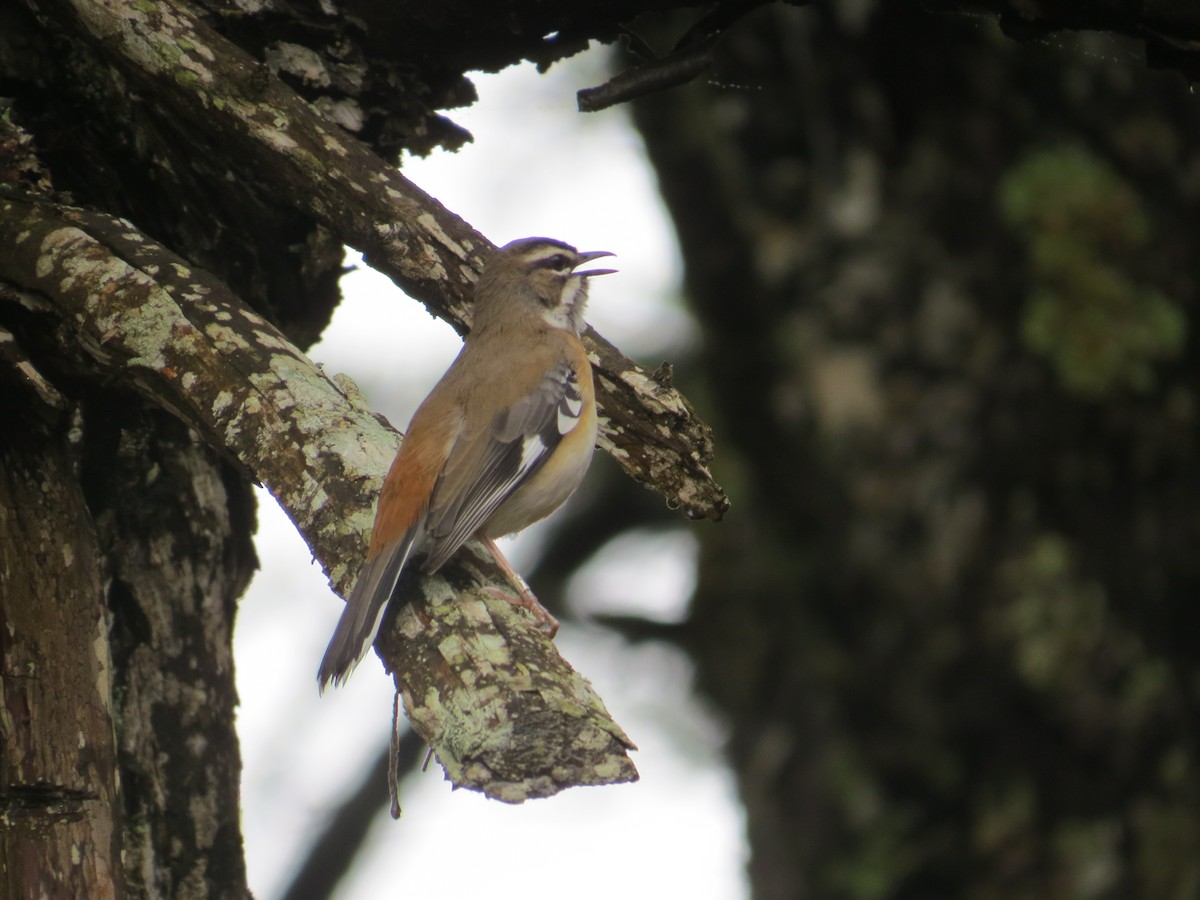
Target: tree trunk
(60, 823)
(175, 524)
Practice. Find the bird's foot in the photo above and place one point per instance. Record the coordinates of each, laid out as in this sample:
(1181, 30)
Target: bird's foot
(524, 598)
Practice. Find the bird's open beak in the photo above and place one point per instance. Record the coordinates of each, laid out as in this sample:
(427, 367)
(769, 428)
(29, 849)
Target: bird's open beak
(588, 257)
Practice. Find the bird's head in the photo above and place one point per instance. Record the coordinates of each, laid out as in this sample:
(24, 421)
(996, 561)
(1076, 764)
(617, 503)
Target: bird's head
(536, 276)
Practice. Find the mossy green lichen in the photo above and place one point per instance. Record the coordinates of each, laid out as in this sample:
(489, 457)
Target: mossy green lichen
(1090, 312)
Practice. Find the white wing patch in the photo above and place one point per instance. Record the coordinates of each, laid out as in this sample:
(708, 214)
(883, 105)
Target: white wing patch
(569, 409)
(521, 440)
(532, 448)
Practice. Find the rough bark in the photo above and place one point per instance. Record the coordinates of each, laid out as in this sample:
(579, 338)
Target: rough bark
(172, 593)
(60, 819)
(165, 527)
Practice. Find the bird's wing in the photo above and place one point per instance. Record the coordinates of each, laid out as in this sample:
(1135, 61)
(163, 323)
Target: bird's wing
(485, 469)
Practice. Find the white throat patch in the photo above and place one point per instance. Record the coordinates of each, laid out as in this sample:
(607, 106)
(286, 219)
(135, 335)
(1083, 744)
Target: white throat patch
(567, 314)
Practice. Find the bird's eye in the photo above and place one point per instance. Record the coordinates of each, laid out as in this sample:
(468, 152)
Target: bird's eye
(559, 262)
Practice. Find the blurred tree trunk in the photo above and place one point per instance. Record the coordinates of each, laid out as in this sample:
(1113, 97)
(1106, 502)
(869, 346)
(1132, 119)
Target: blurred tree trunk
(947, 285)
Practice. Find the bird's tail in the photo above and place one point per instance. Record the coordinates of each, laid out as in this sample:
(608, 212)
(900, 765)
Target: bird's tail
(360, 621)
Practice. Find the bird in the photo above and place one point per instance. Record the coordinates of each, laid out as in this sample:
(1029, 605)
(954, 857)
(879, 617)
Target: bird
(500, 442)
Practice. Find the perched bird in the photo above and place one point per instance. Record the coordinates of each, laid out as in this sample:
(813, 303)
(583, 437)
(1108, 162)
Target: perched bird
(500, 442)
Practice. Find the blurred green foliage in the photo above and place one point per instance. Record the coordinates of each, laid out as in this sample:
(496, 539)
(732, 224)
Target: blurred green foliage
(1089, 313)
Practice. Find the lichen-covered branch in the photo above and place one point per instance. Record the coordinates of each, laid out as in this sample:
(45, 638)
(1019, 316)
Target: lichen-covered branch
(126, 308)
(303, 158)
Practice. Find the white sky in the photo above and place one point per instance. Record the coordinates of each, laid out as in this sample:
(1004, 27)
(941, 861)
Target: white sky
(537, 167)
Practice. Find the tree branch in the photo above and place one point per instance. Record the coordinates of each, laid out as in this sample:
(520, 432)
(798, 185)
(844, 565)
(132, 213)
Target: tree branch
(1170, 29)
(283, 144)
(504, 713)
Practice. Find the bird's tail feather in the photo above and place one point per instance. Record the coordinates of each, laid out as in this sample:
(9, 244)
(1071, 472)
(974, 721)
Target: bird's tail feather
(360, 621)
